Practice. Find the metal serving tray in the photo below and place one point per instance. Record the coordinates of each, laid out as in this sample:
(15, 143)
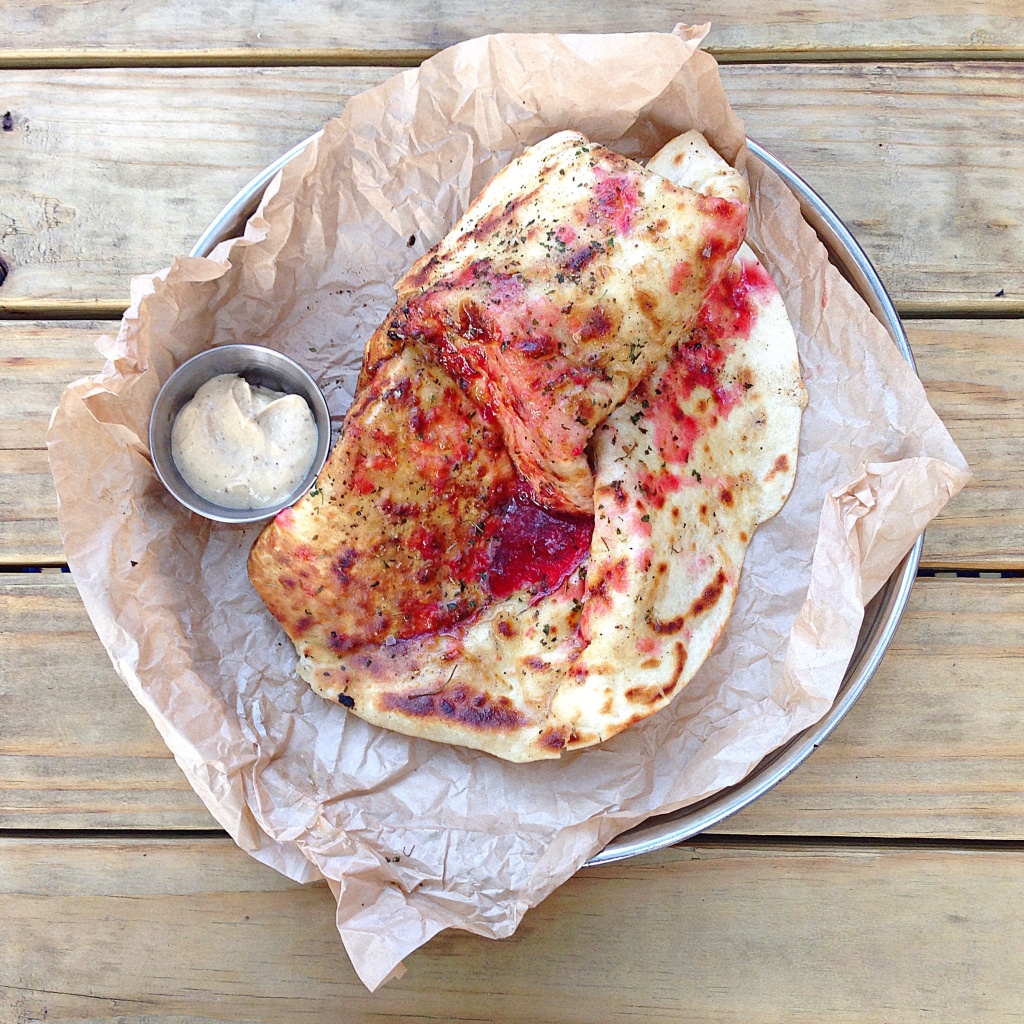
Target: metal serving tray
(882, 615)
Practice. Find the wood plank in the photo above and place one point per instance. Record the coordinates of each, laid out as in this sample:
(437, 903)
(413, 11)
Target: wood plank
(973, 371)
(151, 931)
(895, 157)
(97, 762)
(934, 748)
(975, 382)
(28, 510)
(310, 32)
(113, 172)
(37, 361)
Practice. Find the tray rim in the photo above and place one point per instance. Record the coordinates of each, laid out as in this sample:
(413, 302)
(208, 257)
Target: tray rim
(882, 615)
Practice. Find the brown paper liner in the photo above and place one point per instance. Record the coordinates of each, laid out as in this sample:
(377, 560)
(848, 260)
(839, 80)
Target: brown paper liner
(414, 836)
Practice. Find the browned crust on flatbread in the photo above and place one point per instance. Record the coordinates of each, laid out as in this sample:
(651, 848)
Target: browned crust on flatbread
(462, 704)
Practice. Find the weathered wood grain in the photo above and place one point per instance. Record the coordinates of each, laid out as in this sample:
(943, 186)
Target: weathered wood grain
(306, 31)
(973, 371)
(37, 361)
(73, 738)
(923, 163)
(113, 172)
(933, 748)
(973, 375)
(163, 931)
(28, 510)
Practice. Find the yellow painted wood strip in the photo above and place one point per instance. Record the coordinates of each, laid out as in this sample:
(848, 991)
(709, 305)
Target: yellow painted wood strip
(168, 931)
(385, 31)
(111, 173)
(37, 58)
(973, 371)
(934, 747)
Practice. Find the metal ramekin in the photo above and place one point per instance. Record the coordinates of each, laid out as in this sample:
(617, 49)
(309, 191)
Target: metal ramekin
(260, 366)
(882, 615)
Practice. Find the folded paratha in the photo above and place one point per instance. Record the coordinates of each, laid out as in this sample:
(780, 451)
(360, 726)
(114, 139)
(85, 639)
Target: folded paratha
(530, 532)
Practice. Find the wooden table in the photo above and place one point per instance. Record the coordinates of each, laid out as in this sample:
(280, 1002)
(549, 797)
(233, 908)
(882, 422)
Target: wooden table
(883, 881)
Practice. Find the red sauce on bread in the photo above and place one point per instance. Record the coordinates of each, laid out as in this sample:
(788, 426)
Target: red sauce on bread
(728, 314)
(535, 549)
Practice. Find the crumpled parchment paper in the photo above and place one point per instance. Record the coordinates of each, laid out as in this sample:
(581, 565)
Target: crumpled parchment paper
(415, 836)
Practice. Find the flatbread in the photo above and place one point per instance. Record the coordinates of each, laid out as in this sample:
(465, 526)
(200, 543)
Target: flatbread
(566, 281)
(613, 612)
(572, 273)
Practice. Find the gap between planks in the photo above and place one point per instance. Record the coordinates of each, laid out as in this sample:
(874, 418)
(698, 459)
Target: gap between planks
(992, 309)
(707, 841)
(61, 59)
